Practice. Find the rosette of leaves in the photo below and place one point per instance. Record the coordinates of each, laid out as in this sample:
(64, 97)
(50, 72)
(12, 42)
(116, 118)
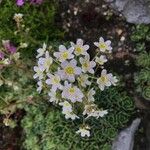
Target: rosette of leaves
(141, 37)
(46, 128)
(142, 78)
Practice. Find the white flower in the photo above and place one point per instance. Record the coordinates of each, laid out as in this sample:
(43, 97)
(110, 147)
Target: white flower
(83, 79)
(104, 79)
(72, 93)
(101, 60)
(69, 70)
(71, 115)
(79, 48)
(46, 62)
(66, 107)
(41, 51)
(90, 96)
(87, 65)
(64, 54)
(104, 45)
(113, 79)
(84, 131)
(91, 110)
(18, 17)
(53, 97)
(39, 72)
(54, 80)
(40, 85)
(6, 61)
(67, 110)
(23, 45)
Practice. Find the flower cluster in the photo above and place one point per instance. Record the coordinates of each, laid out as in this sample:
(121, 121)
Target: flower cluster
(34, 2)
(68, 77)
(8, 53)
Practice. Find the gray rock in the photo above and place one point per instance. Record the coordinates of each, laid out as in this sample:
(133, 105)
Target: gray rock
(125, 139)
(135, 11)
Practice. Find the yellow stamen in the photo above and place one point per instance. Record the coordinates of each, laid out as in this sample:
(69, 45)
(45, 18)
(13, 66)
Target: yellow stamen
(79, 49)
(102, 46)
(103, 79)
(72, 90)
(69, 70)
(65, 55)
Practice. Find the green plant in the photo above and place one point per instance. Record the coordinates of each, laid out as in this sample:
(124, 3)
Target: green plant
(45, 128)
(26, 27)
(141, 36)
(142, 78)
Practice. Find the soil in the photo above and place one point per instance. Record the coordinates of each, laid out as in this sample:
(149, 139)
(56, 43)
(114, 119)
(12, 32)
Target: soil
(89, 20)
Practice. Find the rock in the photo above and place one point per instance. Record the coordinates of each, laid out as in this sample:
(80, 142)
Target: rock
(135, 11)
(125, 139)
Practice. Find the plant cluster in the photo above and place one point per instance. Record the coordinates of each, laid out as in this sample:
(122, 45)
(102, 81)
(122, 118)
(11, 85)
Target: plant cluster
(141, 37)
(142, 78)
(69, 78)
(46, 129)
(17, 32)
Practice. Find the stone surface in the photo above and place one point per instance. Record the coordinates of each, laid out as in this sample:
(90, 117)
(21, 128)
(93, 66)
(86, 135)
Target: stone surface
(125, 139)
(135, 11)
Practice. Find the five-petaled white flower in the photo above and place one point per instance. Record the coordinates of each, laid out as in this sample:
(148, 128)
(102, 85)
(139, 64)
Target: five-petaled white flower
(104, 45)
(70, 70)
(101, 60)
(54, 80)
(87, 65)
(104, 79)
(92, 110)
(53, 96)
(41, 51)
(64, 54)
(39, 72)
(90, 95)
(84, 131)
(79, 48)
(45, 62)
(83, 79)
(67, 110)
(72, 93)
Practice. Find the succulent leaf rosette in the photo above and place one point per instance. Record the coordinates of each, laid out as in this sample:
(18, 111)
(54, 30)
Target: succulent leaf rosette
(68, 77)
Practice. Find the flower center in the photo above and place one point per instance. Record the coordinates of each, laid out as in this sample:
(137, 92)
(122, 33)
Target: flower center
(72, 90)
(104, 79)
(79, 49)
(102, 46)
(69, 70)
(86, 65)
(56, 80)
(65, 55)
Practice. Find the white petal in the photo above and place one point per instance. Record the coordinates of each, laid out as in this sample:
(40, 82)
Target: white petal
(73, 62)
(78, 70)
(104, 72)
(72, 44)
(62, 48)
(86, 47)
(96, 44)
(108, 42)
(79, 42)
(57, 54)
(64, 64)
(101, 39)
